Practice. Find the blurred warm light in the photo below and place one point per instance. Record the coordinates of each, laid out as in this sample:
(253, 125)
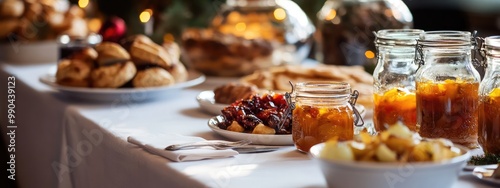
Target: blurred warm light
(331, 15)
(83, 3)
(233, 17)
(145, 15)
(94, 25)
(369, 54)
(168, 37)
(240, 26)
(279, 14)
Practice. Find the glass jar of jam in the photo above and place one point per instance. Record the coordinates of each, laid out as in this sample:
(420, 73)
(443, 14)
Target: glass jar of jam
(489, 93)
(447, 87)
(345, 29)
(323, 110)
(394, 78)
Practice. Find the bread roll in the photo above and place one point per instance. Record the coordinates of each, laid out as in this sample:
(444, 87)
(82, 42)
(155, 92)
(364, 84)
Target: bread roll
(153, 77)
(73, 73)
(110, 53)
(113, 76)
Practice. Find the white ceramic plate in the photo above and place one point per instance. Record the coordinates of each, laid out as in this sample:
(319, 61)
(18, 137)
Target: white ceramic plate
(483, 173)
(262, 139)
(129, 94)
(207, 102)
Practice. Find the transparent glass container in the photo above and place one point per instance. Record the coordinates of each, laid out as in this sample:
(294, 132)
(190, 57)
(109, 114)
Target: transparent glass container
(489, 93)
(447, 87)
(394, 78)
(345, 29)
(323, 110)
(249, 35)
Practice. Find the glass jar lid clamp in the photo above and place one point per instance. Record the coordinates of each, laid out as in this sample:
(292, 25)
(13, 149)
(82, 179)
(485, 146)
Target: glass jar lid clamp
(452, 39)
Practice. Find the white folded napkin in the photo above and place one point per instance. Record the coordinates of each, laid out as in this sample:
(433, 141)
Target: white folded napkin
(156, 144)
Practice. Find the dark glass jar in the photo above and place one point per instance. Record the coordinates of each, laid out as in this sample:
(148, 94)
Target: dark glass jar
(345, 29)
(489, 93)
(447, 86)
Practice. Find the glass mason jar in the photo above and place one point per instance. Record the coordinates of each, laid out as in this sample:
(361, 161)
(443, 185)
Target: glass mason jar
(323, 110)
(69, 45)
(345, 29)
(489, 93)
(394, 78)
(249, 35)
(447, 87)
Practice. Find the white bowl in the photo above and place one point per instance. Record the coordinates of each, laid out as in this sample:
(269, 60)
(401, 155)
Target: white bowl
(375, 174)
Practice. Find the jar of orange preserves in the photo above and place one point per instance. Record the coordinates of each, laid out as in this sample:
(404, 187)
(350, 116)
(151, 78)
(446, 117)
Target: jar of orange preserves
(394, 78)
(489, 93)
(447, 86)
(323, 110)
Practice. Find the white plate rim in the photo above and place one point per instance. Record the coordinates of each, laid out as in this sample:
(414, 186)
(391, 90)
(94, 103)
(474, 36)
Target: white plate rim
(276, 139)
(194, 78)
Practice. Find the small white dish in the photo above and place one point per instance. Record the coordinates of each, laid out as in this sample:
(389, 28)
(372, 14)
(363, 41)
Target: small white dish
(261, 139)
(207, 102)
(128, 94)
(483, 173)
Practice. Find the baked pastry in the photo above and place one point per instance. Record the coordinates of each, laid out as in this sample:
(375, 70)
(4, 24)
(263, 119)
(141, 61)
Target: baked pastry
(87, 54)
(110, 53)
(11, 8)
(219, 54)
(179, 72)
(228, 93)
(74, 73)
(8, 26)
(113, 76)
(150, 53)
(277, 78)
(173, 50)
(153, 77)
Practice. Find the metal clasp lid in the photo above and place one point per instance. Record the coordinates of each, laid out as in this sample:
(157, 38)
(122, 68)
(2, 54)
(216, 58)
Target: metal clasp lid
(290, 103)
(358, 122)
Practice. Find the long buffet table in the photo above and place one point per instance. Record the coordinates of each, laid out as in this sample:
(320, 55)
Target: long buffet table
(62, 142)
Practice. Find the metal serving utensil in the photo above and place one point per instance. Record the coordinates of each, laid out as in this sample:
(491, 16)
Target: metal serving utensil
(216, 144)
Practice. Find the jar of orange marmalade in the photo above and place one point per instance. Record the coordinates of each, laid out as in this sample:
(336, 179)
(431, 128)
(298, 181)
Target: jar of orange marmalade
(489, 93)
(394, 78)
(323, 110)
(447, 87)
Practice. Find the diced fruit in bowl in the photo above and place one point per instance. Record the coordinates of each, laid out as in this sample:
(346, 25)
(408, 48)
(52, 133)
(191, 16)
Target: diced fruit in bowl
(396, 157)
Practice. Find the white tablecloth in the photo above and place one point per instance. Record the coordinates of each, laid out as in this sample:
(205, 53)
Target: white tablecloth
(61, 142)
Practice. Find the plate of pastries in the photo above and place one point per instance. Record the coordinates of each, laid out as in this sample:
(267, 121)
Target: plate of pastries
(32, 26)
(137, 68)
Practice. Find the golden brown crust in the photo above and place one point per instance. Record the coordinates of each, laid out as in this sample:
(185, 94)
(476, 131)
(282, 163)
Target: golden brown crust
(179, 72)
(73, 73)
(8, 26)
(153, 77)
(150, 54)
(113, 76)
(110, 53)
(11, 8)
(228, 93)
